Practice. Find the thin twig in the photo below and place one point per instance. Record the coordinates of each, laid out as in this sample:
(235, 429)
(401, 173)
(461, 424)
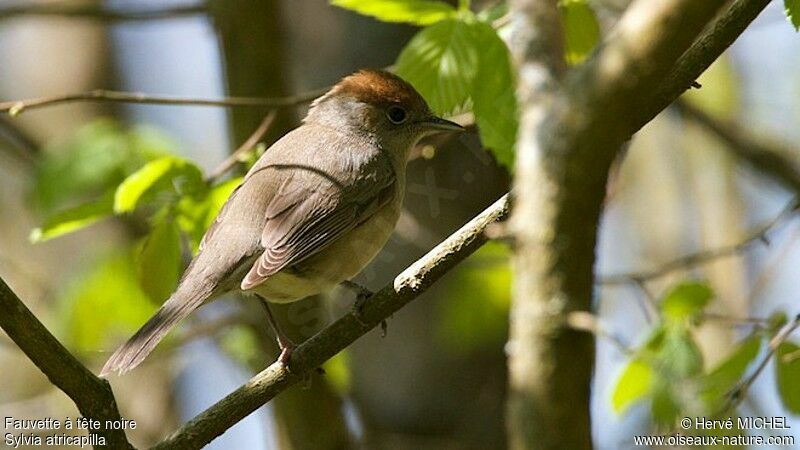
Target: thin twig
(585, 321)
(94, 11)
(703, 256)
(245, 148)
(16, 107)
(740, 391)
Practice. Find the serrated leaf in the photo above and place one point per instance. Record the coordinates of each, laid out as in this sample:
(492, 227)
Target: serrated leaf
(581, 30)
(686, 300)
(159, 262)
(792, 10)
(633, 385)
(167, 173)
(494, 99)
(787, 371)
(441, 62)
(416, 12)
(74, 219)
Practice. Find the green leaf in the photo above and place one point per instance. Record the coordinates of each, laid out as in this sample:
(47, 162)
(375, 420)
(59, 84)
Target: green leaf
(633, 385)
(787, 368)
(160, 261)
(74, 219)
(417, 12)
(167, 173)
(686, 300)
(104, 304)
(441, 62)
(792, 10)
(581, 30)
(494, 99)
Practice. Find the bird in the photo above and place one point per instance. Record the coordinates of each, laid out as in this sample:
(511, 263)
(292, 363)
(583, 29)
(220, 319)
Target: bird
(310, 214)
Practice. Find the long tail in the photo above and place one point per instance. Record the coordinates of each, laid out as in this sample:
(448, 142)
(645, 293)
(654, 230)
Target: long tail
(185, 300)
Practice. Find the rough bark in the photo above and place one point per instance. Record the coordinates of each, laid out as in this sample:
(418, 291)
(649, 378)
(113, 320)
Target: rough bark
(560, 185)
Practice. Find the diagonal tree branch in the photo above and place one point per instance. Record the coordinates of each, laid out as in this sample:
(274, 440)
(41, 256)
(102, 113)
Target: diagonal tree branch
(706, 49)
(91, 395)
(336, 337)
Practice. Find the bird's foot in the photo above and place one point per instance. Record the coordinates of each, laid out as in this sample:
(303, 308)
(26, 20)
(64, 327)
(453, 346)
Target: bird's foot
(287, 348)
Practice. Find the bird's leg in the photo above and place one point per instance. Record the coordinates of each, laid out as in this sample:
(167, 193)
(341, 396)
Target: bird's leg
(284, 343)
(362, 296)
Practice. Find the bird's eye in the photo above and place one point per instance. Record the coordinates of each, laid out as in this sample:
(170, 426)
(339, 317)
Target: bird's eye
(396, 114)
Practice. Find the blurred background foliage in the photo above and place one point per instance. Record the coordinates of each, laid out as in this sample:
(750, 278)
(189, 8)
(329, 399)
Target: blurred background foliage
(126, 192)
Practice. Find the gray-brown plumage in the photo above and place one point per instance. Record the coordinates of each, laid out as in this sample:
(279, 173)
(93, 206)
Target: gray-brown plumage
(312, 212)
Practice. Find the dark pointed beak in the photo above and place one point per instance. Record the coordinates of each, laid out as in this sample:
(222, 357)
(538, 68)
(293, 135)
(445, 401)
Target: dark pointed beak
(438, 124)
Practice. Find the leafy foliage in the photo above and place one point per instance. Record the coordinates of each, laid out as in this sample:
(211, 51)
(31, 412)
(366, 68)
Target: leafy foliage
(668, 370)
(792, 9)
(417, 12)
(581, 30)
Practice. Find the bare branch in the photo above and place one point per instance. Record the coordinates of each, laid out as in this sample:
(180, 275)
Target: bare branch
(243, 149)
(706, 49)
(760, 234)
(91, 395)
(94, 11)
(16, 107)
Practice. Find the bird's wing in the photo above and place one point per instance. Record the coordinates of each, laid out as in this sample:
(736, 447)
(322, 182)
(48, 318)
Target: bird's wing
(312, 210)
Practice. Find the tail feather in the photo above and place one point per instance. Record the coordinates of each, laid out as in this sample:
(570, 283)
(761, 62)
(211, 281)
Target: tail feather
(136, 349)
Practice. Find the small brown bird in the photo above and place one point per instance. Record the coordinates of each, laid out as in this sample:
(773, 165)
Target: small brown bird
(311, 213)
